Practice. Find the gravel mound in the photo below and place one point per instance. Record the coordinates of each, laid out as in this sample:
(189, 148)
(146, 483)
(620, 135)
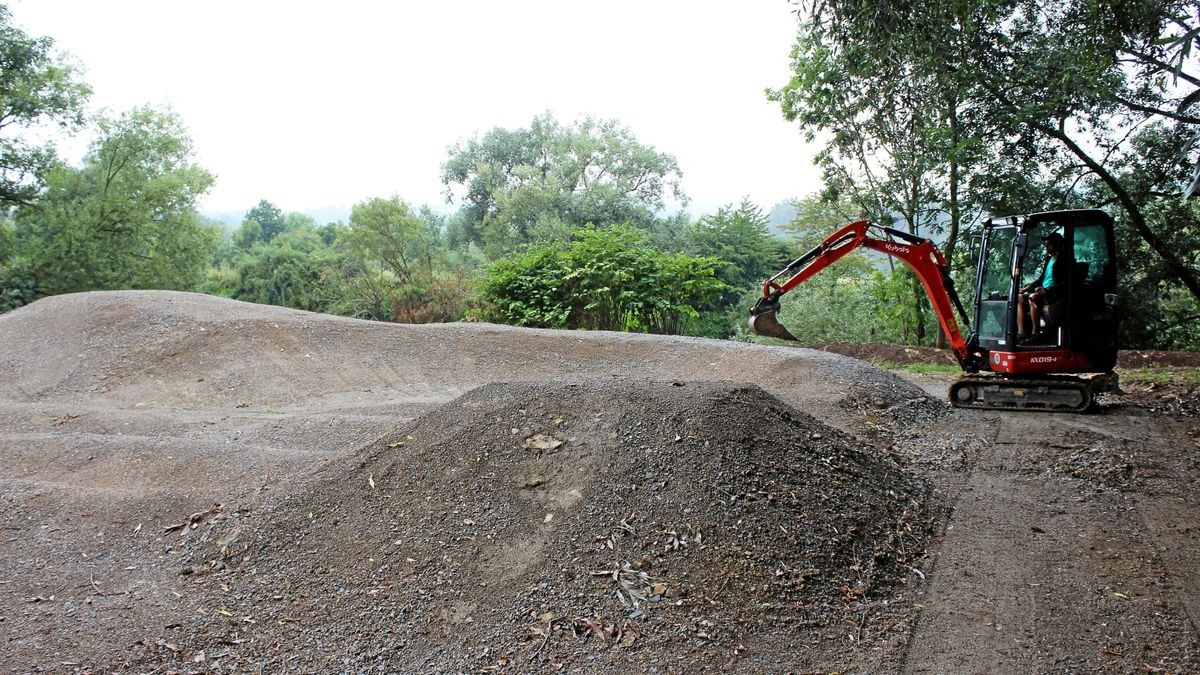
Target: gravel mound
(593, 522)
(164, 349)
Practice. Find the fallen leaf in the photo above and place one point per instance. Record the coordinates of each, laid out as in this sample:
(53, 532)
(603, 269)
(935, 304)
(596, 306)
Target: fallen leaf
(542, 442)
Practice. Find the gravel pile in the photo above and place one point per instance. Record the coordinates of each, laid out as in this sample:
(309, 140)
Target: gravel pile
(596, 522)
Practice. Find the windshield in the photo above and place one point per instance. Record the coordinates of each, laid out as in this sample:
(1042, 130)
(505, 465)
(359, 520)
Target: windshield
(994, 286)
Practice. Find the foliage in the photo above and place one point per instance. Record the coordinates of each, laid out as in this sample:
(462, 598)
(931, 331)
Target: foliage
(17, 285)
(926, 368)
(540, 183)
(1157, 311)
(816, 218)
(604, 279)
(264, 222)
(289, 271)
(739, 239)
(395, 268)
(366, 290)
(388, 232)
(1187, 377)
(127, 218)
(269, 218)
(897, 136)
(842, 304)
(1055, 91)
(37, 87)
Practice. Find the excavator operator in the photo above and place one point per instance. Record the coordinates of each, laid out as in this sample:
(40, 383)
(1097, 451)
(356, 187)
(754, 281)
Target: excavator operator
(1046, 289)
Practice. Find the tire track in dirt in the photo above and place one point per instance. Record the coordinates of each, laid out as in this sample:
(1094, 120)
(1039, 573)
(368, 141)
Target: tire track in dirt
(1041, 569)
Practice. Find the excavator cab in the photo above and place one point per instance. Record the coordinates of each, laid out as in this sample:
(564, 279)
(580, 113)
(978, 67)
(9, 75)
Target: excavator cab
(1076, 328)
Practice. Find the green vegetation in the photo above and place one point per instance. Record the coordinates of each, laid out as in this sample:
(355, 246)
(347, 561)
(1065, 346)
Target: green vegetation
(929, 115)
(938, 112)
(1188, 377)
(925, 368)
(37, 87)
(603, 279)
(126, 218)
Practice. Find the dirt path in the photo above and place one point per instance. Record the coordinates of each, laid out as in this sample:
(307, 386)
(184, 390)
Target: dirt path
(137, 428)
(1071, 544)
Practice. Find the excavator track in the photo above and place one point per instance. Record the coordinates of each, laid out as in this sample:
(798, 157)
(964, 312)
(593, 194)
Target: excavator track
(1049, 393)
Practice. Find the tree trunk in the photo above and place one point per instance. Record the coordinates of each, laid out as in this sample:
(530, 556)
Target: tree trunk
(955, 209)
(1136, 218)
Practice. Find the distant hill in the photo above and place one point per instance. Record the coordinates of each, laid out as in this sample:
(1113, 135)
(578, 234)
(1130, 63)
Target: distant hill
(781, 214)
(322, 214)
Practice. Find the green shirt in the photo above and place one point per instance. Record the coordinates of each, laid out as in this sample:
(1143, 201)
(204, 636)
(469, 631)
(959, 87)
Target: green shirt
(1048, 275)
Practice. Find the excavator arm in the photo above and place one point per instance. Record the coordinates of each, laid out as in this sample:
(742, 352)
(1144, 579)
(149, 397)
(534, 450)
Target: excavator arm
(918, 252)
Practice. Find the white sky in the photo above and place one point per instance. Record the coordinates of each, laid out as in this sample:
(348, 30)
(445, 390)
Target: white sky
(318, 104)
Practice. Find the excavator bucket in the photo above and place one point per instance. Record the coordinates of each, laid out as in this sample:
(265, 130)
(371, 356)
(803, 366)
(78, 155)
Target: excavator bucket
(763, 321)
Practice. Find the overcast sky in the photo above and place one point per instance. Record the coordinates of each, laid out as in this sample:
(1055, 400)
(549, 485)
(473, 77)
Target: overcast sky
(319, 104)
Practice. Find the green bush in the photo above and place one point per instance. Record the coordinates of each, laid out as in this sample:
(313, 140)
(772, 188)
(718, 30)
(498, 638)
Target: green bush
(604, 279)
(18, 286)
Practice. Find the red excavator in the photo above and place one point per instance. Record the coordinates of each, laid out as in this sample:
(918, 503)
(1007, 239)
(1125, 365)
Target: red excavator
(1071, 348)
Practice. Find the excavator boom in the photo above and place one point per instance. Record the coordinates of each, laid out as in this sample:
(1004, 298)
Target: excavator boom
(918, 252)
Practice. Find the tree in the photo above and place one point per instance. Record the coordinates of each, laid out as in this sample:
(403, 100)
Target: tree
(271, 221)
(841, 303)
(388, 231)
(898, 139)
(247, 234)
(815, 217)
(1157, 311)
(37, 87)
(392, 266)
(604, 279)
(1068, 83)
(291, 270)
(127, 218)
(739, 238)
(746, 252)
(523, 185)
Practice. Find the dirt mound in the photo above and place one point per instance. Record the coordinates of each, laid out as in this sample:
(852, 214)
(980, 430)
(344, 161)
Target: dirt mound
(125, 414)
(632, 522)
(161, 349)
(193, 484)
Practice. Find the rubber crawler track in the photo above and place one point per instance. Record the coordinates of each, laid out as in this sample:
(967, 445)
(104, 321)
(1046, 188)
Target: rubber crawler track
(1052, 393)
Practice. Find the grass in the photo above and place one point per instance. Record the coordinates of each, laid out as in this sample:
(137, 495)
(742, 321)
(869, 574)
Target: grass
(920, 368)
(1162, 376)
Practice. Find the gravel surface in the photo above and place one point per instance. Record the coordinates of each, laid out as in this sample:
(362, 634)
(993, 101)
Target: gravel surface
(616, 522)
(191, 484)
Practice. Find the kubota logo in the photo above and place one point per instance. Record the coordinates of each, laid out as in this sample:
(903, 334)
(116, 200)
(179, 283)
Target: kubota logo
(891, 248)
